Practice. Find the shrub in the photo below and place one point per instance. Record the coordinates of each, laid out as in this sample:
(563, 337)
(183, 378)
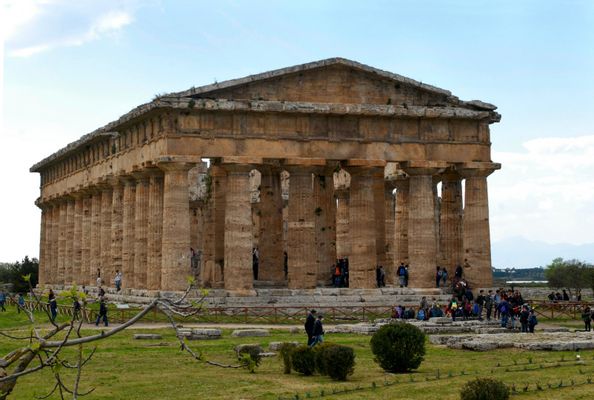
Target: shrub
(249, 357)
(336, 361)
(303, 360)
(398, 347)
(285, 352)
(484, 389)
(320, 357)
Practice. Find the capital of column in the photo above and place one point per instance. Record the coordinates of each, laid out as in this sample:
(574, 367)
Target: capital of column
(423, 168)
(477, 169)
(450, 174)
(141, 176)
(365, 170)
(232, 168)
(175, 165)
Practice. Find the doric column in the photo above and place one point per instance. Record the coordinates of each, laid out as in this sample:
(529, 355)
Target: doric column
(87, 229)
(95, 236)
(140, 232)
(107, 271)
(218, 187)
(301, 238)
(401, 221)
(175, 266)
(155, 230)
(78, 238)
(476, 235)
(343, 240)
(325, 224)
(117, 228)
(422, 244)
(62, 241)
(52, 276)
(379, 198)
(271, 226)
(363, 225)
(69, 241)
(128, 230)
(389, 211)
(451, 221)
(238, 230)
(43, 241)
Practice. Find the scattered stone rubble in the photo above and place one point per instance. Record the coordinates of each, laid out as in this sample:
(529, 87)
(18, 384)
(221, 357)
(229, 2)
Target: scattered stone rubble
(250, 333)
(199, 333)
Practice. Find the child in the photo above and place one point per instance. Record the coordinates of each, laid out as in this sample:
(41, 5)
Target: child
(532, 321)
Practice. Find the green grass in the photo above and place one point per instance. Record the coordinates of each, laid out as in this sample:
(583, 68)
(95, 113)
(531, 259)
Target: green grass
(124, 368)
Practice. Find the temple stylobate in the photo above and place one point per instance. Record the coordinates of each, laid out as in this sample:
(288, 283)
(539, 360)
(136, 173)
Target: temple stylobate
(306, 164)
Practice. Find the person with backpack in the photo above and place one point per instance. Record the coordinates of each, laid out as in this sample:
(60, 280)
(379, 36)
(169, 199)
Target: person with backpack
(587, 318)
(504, 310)
(421, 314)
(453, 307)
(532, 321)
(401, 274)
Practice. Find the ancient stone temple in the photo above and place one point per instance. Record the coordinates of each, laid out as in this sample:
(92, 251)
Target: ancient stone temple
(304, 164)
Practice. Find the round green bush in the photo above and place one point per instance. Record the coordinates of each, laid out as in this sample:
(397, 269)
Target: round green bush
(398, 347)
(285, 352)
(484, 389)
(320, 356)
(338, 362)
(303, 360)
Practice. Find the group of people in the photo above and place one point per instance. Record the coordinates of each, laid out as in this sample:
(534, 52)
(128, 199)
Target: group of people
(556, 296)
(340, 273)
(314, 328)
(425, 311)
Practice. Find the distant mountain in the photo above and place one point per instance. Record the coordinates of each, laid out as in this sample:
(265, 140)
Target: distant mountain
(522, 253)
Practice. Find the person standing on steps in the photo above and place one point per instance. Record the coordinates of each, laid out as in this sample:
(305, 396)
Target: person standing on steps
(118, 280)
(309, 326)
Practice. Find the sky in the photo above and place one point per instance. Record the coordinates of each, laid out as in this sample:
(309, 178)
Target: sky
(71, 67)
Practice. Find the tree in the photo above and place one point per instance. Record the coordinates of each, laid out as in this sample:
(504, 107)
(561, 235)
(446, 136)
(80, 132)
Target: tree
(573, 275)
(13, 273)
(42, 349)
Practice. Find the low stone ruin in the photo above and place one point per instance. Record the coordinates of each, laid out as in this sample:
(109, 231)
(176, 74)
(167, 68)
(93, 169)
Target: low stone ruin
(250, 333)
(199, 333)
(555, 341)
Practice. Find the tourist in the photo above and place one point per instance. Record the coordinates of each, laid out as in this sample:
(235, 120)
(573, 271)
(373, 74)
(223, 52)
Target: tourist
(551, 296)
(504, 310)
(453, 307)
(401, 274)
(75, 309)
(438, 275)
(459, 272)
(99, 282)
(336, 275)
(587, 318)
(20, 303)
(565, 295)
(532, 321)
(489, 300)
(524, 316)
(2, 300)
(496, 301)
(380, 276)
(101, 292)
(480, 302)
(118, 280)
(53, 305)
(345, 272)
(424, 303)
(444, 277)
(309, 326)
(255, 262)
(102, 312)
(318, 331)
(435, 311)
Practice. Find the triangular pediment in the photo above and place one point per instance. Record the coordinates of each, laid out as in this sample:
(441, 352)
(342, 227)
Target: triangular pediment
(334, 80)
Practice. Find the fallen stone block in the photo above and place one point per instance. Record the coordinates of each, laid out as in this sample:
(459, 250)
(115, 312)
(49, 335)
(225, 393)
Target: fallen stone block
(250, 333)
(147, 336)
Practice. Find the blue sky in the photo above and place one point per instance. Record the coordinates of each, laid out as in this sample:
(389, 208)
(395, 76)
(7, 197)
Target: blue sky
(70, 67)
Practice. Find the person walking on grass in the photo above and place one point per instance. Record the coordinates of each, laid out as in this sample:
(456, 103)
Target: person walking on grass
(309, 326)
(20, 303)
(587, 318)
(102, 312)
(53, 304)
(2, 300)
(318, 331)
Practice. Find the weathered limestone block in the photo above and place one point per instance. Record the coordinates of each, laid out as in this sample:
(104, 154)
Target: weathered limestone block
(205, 333)
(147, 336)
(250, 332)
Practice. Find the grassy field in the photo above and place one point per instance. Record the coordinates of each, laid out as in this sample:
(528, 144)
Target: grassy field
(124, 368)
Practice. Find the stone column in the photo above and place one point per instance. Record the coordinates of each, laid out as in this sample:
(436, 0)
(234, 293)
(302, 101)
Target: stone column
(117, 228)
(69, 241)
(301, 249)
(43, 241)
(107, 270)
(155, 230)
(238, 230)
(401, 221)
(78, 238)
(55, 238)
(325, 225)
(95, 236)
(379, 199)
(363, 225)
(422, 246)
(175, 267)
(389, 210)
(62, 241)
(343, 240)
(451, 221)
(476, 236)
(128, 230)
(218, 187)
(271, 226)
(85, 269)
(140, 232)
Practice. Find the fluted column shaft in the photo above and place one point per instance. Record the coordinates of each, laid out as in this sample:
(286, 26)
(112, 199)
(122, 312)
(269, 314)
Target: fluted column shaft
(401, 221)
(78, 238)
(175, 266)
(422, 244)
(271, 225)
(128, 231)
(69, 241)
(117, 229)
(389, 211)
(55, 238)
(95, 236)
(219, 184)
(363, 226)
(301, 238)
(451, 221)
(155, 229)
(325, 224)
(140, 233)
(343, 240)
(87, 229)
(62, 241)
(379, 198)
(43, 240)
(238, 230)
(107, 271)
(476, 235)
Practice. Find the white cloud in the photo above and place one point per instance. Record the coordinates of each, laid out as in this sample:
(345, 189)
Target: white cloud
(36, 26)
(546, 192)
